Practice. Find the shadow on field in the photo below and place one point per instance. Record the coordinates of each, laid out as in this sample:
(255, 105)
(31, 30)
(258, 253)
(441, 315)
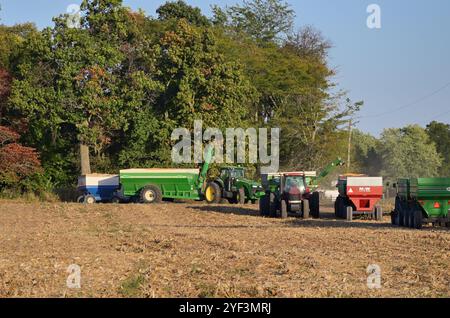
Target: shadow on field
(227, 209)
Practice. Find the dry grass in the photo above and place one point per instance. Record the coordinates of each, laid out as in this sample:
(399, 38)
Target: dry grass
(195, 250)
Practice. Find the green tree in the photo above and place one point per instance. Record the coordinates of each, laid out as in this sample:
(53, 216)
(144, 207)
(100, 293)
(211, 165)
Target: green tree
(180, 10)
(408, 152)
(263, 20)
(366, 158)
(82, 84)
(439, 133)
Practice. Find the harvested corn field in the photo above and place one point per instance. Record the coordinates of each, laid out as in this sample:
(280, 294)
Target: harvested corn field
(198, 250)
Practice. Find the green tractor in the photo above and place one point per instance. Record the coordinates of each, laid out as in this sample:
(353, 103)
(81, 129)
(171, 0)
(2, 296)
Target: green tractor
(232, 186)
(289, 193)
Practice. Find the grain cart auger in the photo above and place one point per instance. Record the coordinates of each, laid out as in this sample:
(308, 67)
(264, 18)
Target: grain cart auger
(359, 195)
(154, 185)
(288, 193)
(314, 181)
(234, 187)
(421, 201)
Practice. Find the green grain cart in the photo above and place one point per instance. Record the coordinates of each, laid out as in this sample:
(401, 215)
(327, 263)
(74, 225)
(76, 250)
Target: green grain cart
(154, 185)
(421, 201)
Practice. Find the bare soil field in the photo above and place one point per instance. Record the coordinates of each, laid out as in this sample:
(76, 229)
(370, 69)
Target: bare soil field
(196, 250)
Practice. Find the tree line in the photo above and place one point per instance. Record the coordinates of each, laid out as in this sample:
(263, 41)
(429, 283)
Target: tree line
(107, 94)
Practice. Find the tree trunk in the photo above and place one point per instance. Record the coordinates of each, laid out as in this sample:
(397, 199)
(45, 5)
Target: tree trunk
(84, 159)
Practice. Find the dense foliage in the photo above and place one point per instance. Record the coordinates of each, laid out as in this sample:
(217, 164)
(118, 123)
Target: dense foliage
(114, 89)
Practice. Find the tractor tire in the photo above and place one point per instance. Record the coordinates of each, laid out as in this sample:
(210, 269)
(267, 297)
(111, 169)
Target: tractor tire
(213, 193)
(378, 213)
(89, 199)
(349, 211)
(417, 220)
(272, 206)
(306, 209)
(264, 206)
(314, 205)
(284, 209)
(150, 194)
(80, 199)
(240, 196)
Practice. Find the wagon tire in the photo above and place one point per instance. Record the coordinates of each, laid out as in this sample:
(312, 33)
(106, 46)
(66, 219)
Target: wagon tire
(379, 213)
(418, 219)
(116, 200)
(80, 199)
(151, 194)
(349, 211)
(89, 199)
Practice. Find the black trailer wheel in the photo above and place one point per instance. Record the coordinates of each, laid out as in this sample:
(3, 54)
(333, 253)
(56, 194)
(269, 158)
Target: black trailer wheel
(407, 218)
(213, 193)
(273, 206)
(284, 209)
(401, 218)
(417, 219)
(349, 211)
(240, 196)
(315, 205)
(264, 206)
(336, 207)
(306, 209)
(116, 200)
(80, 199)
(151, 194)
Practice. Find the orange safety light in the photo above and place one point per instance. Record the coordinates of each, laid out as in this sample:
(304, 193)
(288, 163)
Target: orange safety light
(422, 202)
(437, 205)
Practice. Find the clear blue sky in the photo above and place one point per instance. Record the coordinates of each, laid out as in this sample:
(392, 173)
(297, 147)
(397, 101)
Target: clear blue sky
(405, 64)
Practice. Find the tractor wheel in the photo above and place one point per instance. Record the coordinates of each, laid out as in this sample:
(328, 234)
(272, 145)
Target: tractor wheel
(378, 213)
(240, 196)
(284, 209)
(306, 209)
(80, 199)
(264, 206)
(349, 211)
(417, 219)
(314, 205)
(273, 206)
(151, 194)
(213, 194)
(89, 199)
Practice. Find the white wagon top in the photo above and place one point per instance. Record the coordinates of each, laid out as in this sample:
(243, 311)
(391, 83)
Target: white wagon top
(364, 182)
(157, 170)
(98, 180)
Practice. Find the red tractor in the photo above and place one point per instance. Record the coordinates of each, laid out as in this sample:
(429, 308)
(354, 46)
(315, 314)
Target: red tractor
(288, 193)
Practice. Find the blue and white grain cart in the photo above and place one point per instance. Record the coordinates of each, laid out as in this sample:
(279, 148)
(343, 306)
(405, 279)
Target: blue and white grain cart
(97, 188)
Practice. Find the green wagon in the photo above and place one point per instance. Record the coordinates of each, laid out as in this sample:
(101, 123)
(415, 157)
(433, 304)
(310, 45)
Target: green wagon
(154, 185)
(422, 201)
